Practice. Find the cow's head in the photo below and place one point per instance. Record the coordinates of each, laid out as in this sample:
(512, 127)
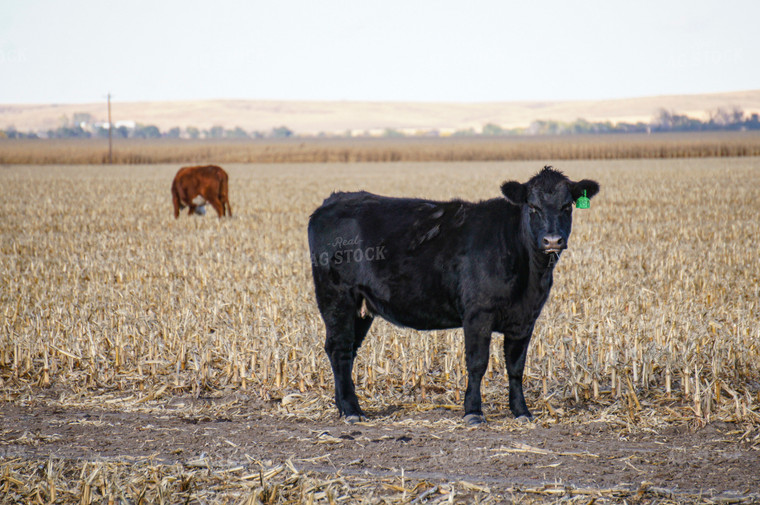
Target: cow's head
(546, 206)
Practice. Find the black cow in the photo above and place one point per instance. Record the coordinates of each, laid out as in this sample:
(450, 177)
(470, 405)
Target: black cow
(429, 265)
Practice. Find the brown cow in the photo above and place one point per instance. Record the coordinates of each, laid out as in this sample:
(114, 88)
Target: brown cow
(195, 186)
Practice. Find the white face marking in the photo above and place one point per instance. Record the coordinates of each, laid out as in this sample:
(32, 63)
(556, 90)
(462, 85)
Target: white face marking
(199, 200)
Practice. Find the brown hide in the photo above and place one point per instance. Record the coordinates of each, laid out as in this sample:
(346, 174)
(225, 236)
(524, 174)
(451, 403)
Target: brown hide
(209, 182)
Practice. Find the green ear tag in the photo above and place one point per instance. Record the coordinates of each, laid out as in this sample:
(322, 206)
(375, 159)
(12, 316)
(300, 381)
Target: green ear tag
(582, 202)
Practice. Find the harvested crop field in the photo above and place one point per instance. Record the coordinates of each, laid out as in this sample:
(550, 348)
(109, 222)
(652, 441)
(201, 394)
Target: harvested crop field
(145, 359)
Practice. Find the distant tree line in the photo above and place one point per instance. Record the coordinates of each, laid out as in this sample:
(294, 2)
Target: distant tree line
(664, 121)
(82, 125)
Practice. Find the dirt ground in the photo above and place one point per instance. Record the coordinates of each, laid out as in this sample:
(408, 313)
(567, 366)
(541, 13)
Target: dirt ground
(719, 462)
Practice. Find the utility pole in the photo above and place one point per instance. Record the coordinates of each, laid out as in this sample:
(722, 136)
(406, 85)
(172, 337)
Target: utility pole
(110, 132)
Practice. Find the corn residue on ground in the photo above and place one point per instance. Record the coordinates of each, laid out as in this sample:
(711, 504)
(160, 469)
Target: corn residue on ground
(110, 305)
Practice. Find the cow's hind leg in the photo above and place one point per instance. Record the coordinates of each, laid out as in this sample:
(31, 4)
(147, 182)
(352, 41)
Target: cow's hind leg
(176, 202)
(224, 196)
(345, 331)
(361, 327)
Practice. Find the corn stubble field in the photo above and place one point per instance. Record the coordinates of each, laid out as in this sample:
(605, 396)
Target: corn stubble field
(654, 318)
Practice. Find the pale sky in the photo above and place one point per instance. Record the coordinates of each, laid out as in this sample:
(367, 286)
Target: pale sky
(77, 51)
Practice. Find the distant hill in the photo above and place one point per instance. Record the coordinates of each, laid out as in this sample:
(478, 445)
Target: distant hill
(312, 117)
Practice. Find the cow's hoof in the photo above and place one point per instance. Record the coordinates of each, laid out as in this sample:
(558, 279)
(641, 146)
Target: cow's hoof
(524, 419)
(474, 419)
(353, 419)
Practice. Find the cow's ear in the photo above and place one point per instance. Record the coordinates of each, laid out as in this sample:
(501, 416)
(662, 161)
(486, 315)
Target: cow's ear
(515, 192)
(590, 187)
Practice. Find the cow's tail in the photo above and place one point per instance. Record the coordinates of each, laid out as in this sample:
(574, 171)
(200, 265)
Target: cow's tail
(224, 195)
(319, 270)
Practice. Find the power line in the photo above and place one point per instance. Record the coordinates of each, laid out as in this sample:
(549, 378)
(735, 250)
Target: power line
(110, 132)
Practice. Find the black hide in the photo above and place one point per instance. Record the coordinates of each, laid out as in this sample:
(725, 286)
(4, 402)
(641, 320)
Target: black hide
(427, 265)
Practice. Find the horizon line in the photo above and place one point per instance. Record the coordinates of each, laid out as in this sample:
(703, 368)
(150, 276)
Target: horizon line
(114, 99)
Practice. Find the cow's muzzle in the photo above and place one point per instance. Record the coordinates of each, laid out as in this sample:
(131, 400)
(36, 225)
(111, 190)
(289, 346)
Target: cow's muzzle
(553, 244)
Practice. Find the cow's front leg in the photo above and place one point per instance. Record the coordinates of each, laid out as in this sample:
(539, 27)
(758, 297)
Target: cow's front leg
(477, 343)
(514, 356)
